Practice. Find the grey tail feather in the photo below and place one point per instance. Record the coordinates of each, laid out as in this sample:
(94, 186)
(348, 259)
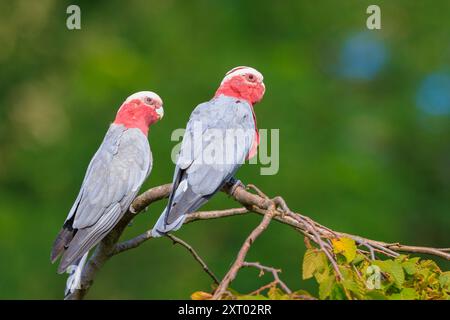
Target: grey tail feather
(65, 263)
(161, 228)
(71, 255)
(74, 279)
(62, 240)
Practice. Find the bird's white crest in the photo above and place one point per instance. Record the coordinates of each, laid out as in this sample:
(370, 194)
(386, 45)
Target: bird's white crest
(240, 71)
(143, 94)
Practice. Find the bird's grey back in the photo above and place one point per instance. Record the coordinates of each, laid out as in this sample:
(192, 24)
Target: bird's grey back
(113, 178)
(195, 181)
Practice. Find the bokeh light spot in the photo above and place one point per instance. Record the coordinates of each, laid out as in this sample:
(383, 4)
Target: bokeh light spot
(433, 96)
(362, 57)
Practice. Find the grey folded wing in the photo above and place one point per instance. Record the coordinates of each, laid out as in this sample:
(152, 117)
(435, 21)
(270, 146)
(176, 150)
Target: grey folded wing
(113, 179)
(218, 138)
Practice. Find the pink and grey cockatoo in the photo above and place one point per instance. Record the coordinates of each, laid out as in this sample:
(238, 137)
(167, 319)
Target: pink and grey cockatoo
(113, 178)
(211, 128)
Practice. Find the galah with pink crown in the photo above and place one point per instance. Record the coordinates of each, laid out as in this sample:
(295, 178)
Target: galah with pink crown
(207, 160)
(113, 178)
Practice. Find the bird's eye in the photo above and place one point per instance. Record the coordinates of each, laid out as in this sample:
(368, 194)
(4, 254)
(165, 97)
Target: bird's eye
(250, 77)
(148, 100)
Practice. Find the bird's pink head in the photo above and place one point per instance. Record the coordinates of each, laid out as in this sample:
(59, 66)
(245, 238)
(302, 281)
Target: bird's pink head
(140, 110)
(243, 83)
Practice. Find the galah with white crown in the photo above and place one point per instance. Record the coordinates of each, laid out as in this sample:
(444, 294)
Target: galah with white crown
(220, 135)
(113, 178)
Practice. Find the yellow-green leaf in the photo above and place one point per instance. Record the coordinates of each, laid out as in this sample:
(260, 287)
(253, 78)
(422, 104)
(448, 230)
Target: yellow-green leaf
(405, 294)
(325, 287)
(394, 269)
(275, 293)
(444, 280)
(338, 292)
(346, 247)
(313, 261)
(302, 293)
(201, 295)
(358, 259)
(252, 297)
(375, 295)
(429, 264)
(410, 267)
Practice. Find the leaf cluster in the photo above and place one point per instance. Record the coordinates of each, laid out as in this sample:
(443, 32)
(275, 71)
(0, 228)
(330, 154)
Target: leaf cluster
(361, 278)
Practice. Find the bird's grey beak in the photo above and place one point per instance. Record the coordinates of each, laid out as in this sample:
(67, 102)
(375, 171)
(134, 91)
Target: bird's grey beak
(160, 112)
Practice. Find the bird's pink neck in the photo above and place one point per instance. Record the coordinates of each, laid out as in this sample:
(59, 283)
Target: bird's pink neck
(237, 88)
(230, 92)
(134, 114)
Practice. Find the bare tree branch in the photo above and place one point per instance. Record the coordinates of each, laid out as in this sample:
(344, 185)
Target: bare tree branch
(204, 215)
(271, 209)
(229, 277)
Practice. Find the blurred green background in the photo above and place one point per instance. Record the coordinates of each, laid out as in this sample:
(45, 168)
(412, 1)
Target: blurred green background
(363, 118)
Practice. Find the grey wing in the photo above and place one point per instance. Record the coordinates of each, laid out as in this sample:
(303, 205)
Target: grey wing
(113, 179)
(202, 169)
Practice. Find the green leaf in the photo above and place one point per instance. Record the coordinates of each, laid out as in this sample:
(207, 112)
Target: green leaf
(349, 281)
(414, 260)
(405, 294)
(252, 297)
(394, 269)
(358, 259)
(276, 294)
(302, 293)
(338, 292)
(429, 264)
(444, 280)
(313, 261)
(401, 258)
(408, 294)
(397, 272)
(346, 247)
(325, 287)
(410, 267)
(375, 295)
(352, 286)
(320, 276)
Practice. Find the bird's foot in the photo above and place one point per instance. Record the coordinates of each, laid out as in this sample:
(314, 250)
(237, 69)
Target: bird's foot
(233, 183)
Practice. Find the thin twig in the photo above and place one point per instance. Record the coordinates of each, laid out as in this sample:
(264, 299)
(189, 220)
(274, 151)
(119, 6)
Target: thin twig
(264, 287)
(133, 243)
(274, 272)
(195, 255)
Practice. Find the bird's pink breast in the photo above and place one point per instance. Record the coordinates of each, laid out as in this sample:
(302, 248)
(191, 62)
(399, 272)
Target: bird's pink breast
(254, 147)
